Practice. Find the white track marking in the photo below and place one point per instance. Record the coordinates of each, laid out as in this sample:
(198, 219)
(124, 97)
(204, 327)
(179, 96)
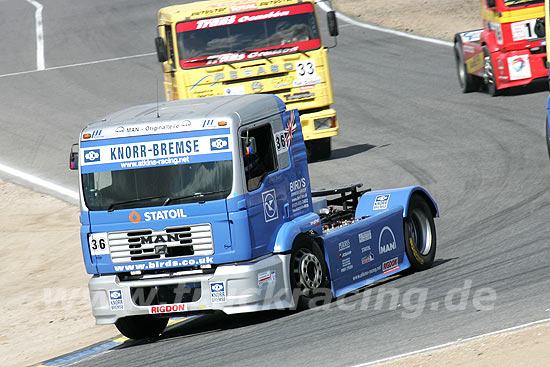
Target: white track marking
(40, 63)
(347, 19)
(458, 342)
(79, 64)
(39, 182)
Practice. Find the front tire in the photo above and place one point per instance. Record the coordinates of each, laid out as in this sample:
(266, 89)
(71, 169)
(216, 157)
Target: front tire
(489, 73)
(468, 82)
(308, 274)
(141, 326)
(318, 149)
(420, 236)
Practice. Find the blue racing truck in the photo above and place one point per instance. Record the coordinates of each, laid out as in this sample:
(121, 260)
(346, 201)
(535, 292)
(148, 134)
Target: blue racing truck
(205, 204)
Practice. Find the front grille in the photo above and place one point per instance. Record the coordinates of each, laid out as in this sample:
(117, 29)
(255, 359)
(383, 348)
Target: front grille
(146, 244)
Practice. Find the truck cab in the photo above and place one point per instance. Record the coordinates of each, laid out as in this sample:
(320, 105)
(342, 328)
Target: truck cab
(213, 48)
(509, 51)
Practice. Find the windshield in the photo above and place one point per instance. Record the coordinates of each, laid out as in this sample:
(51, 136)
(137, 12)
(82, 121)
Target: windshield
(247, 36)
(512, 3)
(156, 186)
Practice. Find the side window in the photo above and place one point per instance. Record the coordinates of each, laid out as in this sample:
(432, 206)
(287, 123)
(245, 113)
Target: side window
(258, 155)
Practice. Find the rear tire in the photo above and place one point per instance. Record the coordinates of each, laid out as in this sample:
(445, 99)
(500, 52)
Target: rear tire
(420, 236)
(468, 82)
(308, 274)
(141, 326)
(318, 149)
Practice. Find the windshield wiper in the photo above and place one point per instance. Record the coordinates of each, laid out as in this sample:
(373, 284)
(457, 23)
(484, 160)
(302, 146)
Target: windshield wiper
(112, 206)
(195, 195)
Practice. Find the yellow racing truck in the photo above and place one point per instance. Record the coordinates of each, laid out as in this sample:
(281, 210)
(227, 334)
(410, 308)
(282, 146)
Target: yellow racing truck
(212, 48)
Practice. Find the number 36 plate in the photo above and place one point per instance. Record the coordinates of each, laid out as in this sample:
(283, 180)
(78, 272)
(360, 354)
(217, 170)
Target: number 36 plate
(98, 244)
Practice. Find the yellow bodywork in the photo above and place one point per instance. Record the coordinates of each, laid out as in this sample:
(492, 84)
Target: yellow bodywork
(511, 16)
(274, 74)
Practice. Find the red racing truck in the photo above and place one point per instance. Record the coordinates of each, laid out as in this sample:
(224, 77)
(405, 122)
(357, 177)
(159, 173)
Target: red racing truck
(509, 51)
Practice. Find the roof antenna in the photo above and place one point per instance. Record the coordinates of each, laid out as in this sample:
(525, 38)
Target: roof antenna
(158, 114)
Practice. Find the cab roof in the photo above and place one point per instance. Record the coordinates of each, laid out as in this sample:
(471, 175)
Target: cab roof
(241, 110)
(212, 8)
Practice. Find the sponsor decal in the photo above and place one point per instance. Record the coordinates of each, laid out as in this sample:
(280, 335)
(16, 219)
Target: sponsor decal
(386, 241)
(119, 129)
(257, 87)
(519, 67)
(365, 236)
(381, 202)
(219, 143)
(365, 249)
(271, 211)
(266, 277)
(176, 307)
(237, 90)
(208, 123)
(475, 62)
(157, 215)
(315, 222)
(217, 292)
(470, 36)
(92, 155)
(244, 7)
(115, 300)
(390, 265)
(96, 134)
(158, 264)
(344, 245)
(301, 95)
(367, 258)
(367, 272)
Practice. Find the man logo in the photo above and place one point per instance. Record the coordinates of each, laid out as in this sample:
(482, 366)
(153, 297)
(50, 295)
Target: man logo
(219, 143)
(91, 155)
(386, 243)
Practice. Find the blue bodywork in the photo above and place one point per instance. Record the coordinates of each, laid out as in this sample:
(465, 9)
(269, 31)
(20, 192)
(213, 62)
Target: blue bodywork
(267, 220)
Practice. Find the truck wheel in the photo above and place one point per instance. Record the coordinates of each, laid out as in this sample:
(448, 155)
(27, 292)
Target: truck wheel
(489, 73)
(420, 237)
(547, 137)
(308, 274)
(141, 326)
(318, 149)
(468, 82)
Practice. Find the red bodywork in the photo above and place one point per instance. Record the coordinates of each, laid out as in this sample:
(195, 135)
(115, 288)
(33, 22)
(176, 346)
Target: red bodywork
(517, 51)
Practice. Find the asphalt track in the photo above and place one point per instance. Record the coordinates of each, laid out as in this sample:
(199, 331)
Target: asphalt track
(403, 122)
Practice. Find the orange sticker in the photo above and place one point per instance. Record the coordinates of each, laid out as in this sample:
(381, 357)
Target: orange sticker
(135, 217)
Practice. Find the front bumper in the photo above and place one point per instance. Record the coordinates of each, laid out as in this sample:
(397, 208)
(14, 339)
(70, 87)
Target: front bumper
(517, 68)
(257, 285)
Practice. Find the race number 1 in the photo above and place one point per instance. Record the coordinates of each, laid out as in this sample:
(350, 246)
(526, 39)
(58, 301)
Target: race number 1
(98, 244)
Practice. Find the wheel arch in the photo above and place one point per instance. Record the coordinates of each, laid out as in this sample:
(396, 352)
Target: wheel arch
(400, 197)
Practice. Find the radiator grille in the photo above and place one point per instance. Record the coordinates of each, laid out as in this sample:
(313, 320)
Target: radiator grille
(146, 244)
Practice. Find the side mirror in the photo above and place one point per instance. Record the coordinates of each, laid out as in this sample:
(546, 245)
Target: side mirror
(73, 157)
(332, 23)
(162, 53)
(540, 28)
(249, 145)
(491, 3)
